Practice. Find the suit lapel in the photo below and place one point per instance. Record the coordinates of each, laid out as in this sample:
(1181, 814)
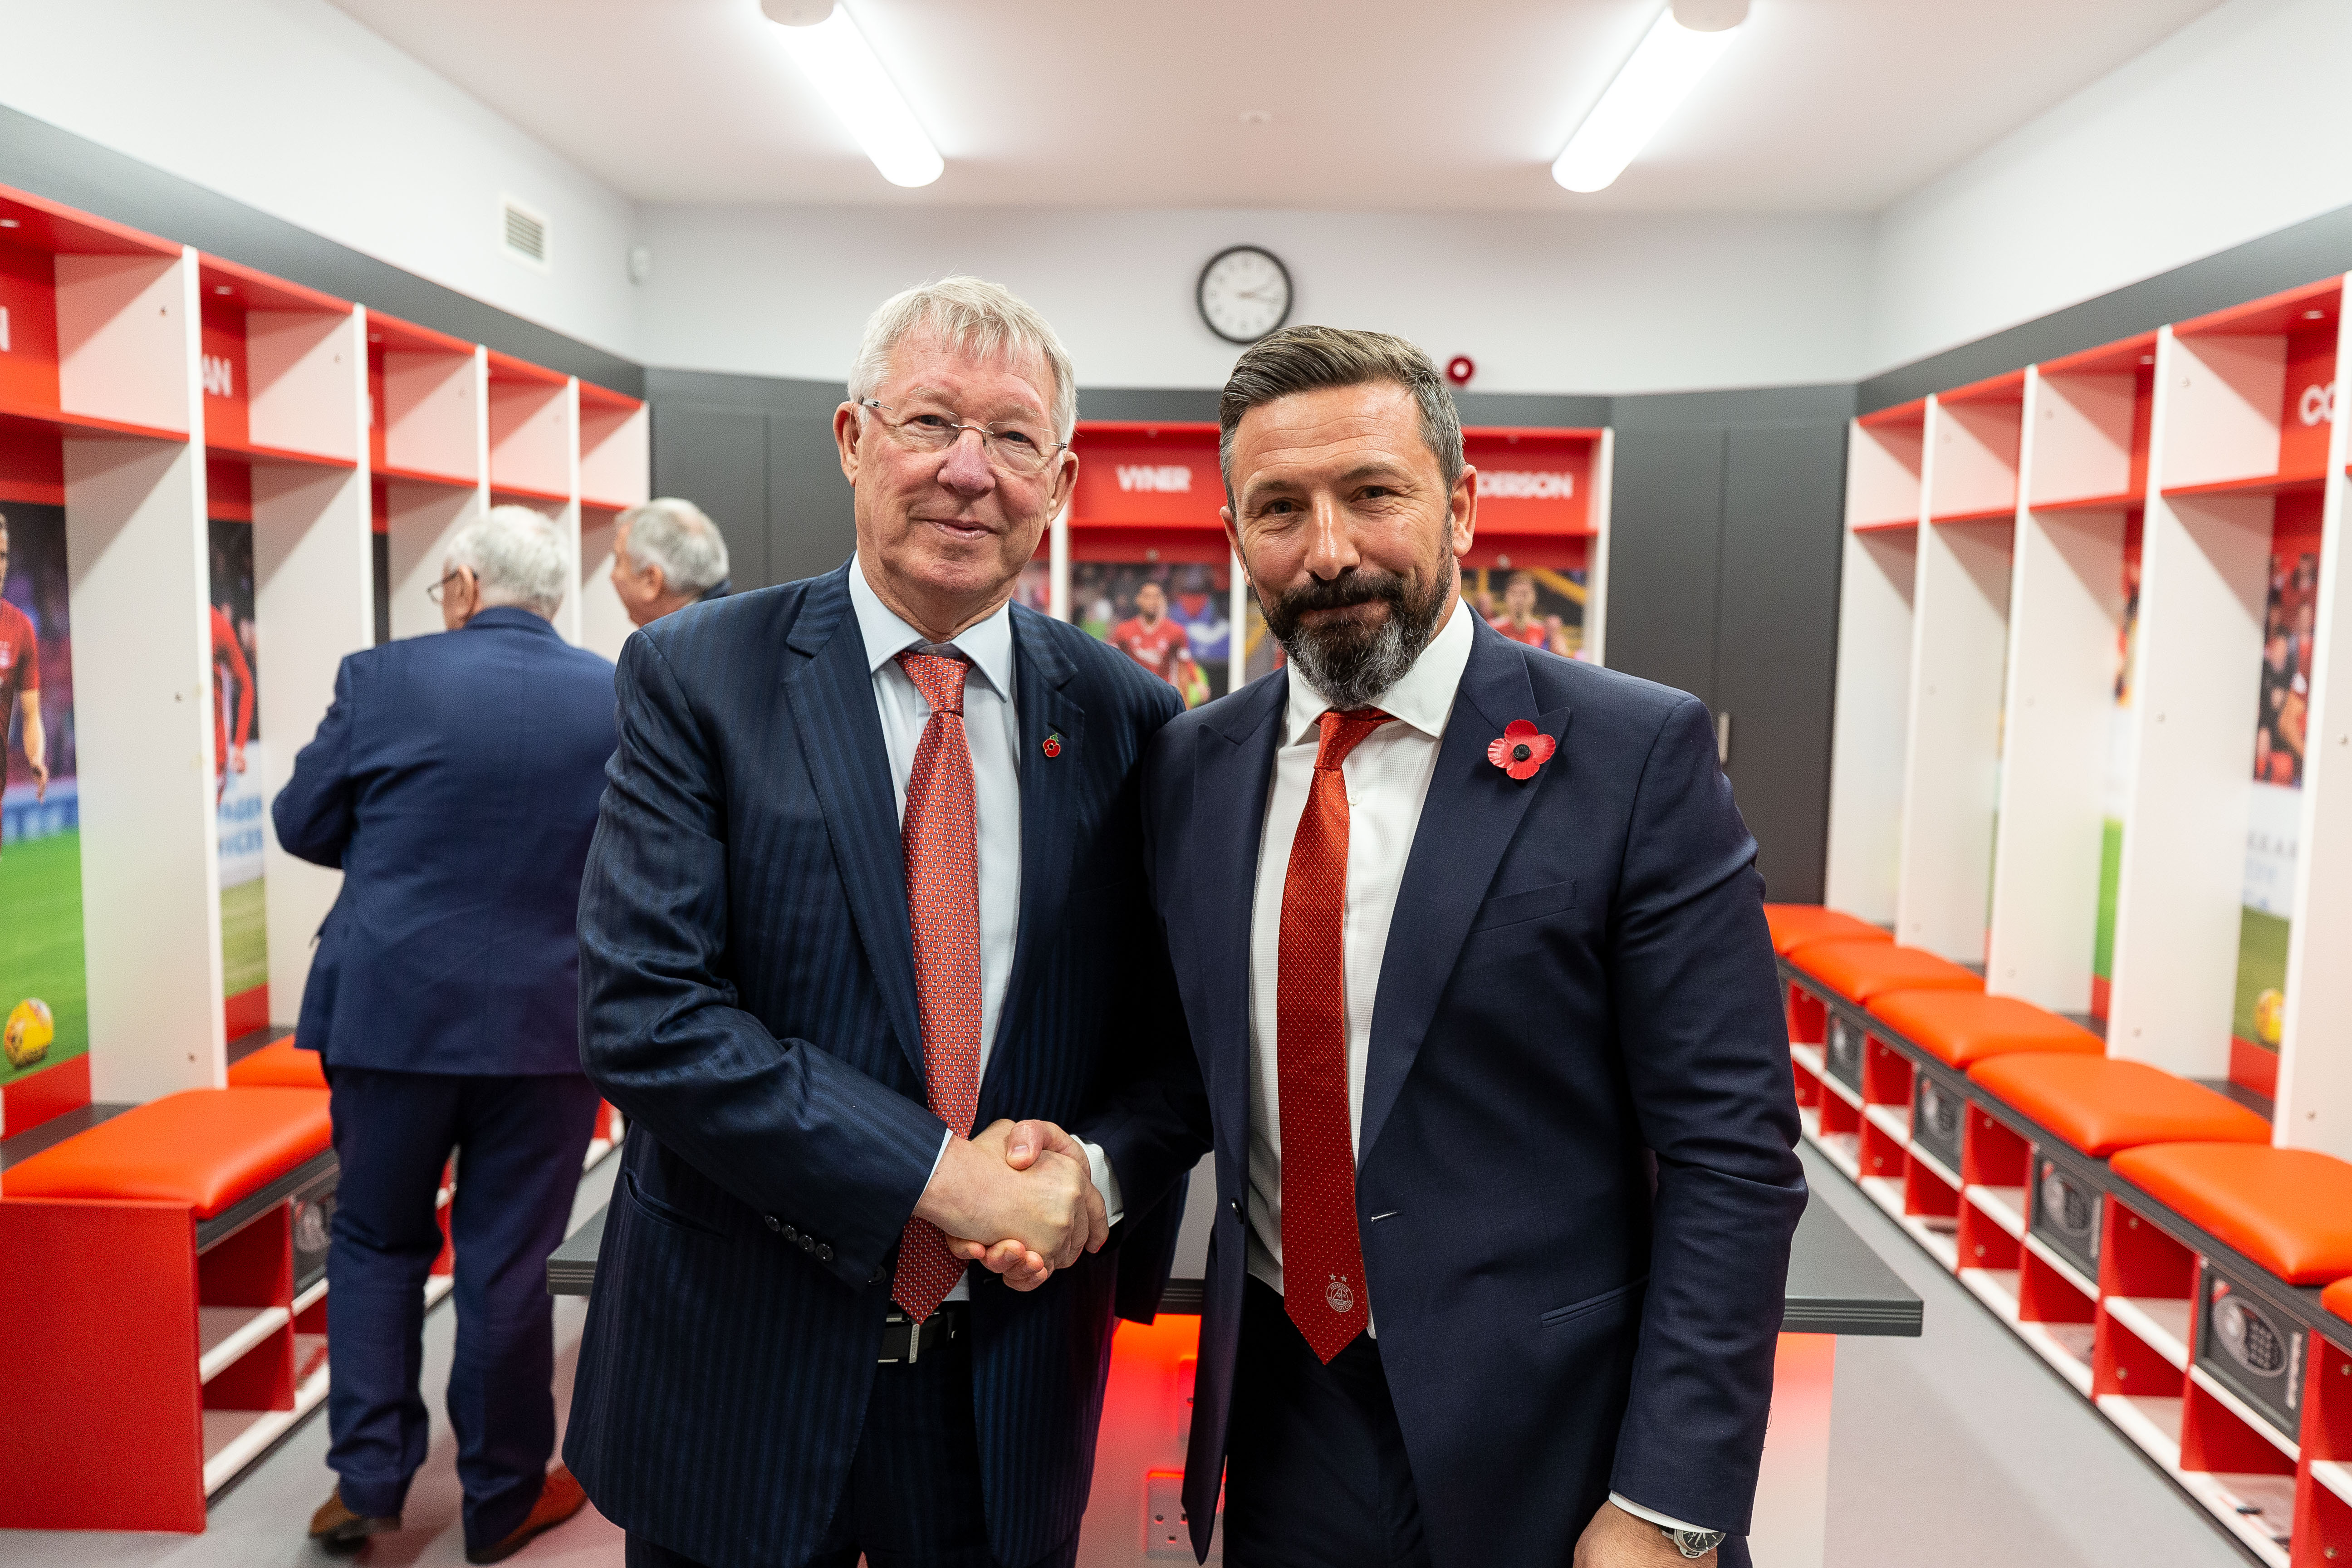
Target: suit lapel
(1473, 811)
(831, 697)
(1049, 795)
(1233, 777)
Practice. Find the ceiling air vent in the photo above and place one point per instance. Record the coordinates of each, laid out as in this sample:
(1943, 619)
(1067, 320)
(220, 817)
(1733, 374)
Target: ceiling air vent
(523, 234)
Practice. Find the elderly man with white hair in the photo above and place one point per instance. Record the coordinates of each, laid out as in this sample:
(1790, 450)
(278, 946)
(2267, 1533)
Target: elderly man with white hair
(666, 554)
(866, 914)
(455, 782)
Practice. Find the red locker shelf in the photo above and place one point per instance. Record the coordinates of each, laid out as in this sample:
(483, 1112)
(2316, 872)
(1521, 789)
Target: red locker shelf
(1893, 525)
(247, 452)
(67, 424)
(1987, 514)
(524, 492)
(2259, 485)
(422, 476)
(2120, 500)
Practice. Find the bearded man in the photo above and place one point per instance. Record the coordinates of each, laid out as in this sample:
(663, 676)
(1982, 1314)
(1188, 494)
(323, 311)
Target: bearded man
(1495, 1068)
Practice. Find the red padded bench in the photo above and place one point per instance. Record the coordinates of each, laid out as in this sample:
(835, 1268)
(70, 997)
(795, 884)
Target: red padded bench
(2094, 1106)
(2287, 1212)
(158, 1251)
(1923, 1043)
(1823, 974)
(279, 1065)
(1794, 925)
(2338, 1298)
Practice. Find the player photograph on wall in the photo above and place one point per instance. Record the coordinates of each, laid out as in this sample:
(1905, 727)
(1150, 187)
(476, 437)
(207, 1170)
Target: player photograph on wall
(1170, 619)
(2274, 825)
(42, 984)
(236, 778)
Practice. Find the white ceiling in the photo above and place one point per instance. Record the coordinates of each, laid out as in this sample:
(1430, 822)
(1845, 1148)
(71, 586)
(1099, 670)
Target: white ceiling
(1821, 105)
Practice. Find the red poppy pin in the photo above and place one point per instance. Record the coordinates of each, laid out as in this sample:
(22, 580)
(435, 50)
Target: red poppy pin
(1053, 747)
(1520, 749)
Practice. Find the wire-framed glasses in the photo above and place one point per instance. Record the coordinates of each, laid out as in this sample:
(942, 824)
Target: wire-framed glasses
(1012, 446)
(436, 590)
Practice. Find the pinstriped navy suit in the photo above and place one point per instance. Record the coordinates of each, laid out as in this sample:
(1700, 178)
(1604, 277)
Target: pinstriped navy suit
(748, 999)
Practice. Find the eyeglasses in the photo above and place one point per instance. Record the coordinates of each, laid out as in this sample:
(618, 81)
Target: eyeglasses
(437, 589)
(1011, 447)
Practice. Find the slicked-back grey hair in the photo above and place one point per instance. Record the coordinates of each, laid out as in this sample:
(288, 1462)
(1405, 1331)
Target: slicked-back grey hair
(1309, 359)
(679, 537)
(972, 316)
(518, 556)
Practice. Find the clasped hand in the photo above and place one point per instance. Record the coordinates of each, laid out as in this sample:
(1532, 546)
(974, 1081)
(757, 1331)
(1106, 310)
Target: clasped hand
(1027, 1183)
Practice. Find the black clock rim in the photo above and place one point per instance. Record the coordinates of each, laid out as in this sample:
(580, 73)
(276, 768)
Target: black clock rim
(1200, 290)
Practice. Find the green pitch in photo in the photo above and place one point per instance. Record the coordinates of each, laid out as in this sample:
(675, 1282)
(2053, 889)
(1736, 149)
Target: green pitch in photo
(41, 945)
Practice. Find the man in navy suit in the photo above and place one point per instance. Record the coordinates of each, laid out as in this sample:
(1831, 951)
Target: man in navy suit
(1473, 954)
(454, 782)
(868, 885)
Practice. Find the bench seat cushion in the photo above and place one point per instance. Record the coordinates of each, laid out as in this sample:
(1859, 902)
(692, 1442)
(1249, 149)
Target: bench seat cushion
(1794, 925)
(2100, 1105)
(1964, 1027)
(206, 1148)
(2290, 1210)
(2338, 1298)
(1862, 972)
(279, 1065)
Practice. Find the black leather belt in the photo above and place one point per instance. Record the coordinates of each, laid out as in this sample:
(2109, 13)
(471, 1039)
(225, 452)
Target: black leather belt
(905, 1341)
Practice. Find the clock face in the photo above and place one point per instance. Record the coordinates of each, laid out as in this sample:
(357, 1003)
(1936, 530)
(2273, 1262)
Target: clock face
(1245, 293)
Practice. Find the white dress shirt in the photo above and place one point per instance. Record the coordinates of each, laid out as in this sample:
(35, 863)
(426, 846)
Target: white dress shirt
(1387, 777)
(991, 728)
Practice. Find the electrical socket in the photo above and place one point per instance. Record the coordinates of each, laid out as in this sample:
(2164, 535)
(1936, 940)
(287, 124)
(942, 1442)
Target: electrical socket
(1167, 1535)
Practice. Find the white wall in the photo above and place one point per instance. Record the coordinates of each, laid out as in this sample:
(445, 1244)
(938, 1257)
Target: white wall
(2231, 129)
(291, 107)
(1541, 303)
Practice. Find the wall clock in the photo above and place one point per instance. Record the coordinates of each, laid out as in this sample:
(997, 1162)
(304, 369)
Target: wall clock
(1243, 294)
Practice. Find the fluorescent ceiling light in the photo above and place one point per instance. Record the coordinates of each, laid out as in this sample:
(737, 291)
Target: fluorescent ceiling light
(843, 68)
(1648, 89)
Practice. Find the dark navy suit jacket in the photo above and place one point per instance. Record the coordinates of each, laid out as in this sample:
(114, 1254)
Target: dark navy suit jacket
(455, 780)
(748, 994)
(1579, 985)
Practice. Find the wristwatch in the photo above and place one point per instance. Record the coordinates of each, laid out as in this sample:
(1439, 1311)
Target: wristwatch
(1693, 1543)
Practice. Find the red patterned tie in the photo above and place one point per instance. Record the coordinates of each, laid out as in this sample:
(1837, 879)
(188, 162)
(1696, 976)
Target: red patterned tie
(1322, 1257)
(943, 909)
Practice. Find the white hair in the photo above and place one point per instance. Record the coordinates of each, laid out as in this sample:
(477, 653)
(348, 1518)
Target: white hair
(972, 316)
(680, 538)
(518, 556)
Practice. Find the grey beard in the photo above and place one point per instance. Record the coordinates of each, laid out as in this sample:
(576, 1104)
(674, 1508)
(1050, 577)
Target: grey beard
(1357, 672)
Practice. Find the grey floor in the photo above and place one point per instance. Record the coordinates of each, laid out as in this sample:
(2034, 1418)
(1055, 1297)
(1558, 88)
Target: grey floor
(1959, 1449)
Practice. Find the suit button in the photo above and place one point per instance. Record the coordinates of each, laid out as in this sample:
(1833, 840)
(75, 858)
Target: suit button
(1235, 1204)
(774, 1224)
(808, 1243)
(824, 1254)
(791, 1235)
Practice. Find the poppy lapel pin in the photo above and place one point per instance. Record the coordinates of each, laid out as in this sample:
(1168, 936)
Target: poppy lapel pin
(1521, 749)
(1052, 746)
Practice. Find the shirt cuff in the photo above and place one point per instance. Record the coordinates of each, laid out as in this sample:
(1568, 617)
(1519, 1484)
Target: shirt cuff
(1105, 1182)
(1666, 1521)
(947, 1136)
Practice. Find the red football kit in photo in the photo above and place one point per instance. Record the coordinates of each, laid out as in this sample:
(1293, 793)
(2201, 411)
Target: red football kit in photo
(20, 658)
(1153, 646)
(1534, 634)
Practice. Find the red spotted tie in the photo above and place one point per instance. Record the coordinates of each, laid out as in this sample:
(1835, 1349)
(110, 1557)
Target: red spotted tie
(943, 909)
(1322, 1256)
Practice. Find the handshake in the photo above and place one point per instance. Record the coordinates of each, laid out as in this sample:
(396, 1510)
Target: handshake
(1029, 1185)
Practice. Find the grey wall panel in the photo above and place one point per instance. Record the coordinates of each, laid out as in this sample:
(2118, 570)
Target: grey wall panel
(1776, 655)
(716, 456)
(1665, 545)
(811, 518)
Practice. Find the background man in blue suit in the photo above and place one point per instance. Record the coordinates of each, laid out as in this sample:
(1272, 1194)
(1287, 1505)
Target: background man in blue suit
(454, 782)
(867, 884)
(1495, 1070)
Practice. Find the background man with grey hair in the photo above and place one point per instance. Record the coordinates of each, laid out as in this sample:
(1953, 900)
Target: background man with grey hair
(666, 554)
(454, 782)
(868, 886)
